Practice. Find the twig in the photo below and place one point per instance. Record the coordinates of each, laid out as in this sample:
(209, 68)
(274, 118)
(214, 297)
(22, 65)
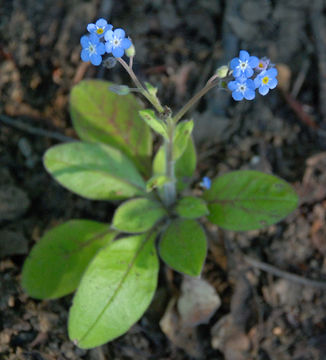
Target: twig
(284, 274)
(34, 130)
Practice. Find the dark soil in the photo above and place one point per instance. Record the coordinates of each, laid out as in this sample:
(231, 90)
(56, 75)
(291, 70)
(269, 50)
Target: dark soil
(179, 45)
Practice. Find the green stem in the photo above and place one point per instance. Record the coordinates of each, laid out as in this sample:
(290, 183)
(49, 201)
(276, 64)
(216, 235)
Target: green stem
(169, 188)
(193, 100)
(141, 88)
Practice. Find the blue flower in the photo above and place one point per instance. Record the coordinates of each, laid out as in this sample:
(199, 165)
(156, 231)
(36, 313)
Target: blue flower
(99, 28)
(92, 49)
(206, 182)
(266, 80)
(243, 65)
(263, 64)
(242, 89)
(116, 43)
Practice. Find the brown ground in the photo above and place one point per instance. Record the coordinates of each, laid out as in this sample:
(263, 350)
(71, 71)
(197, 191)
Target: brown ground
(179, 45)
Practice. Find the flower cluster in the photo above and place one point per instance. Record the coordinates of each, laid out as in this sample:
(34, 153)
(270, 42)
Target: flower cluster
(103, 39)
(250, 74)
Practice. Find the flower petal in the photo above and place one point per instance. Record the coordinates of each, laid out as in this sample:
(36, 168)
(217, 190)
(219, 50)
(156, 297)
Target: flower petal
(91, 28)
(237, 72)
(126, 43)
(249, 94)
(101, 23)
(108, 35)
(248, 72)
(257, 82)
(253, 61)
(100, 48)
(232, 85)
(234, 63)
(108, 47)
(95, 59)
(250, 84)
(272, 83)
(272, 72)
(118, 52)
(94, 39)
(263, 90)
(84, 55)
(84, 41)
(237, 95)
(119, 33)
(243, 55)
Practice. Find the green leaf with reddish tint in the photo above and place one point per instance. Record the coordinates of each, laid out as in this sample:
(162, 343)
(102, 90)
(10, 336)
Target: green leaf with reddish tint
(154, 122)
(56, 263)
(249, 200)
(115, 291)
(191, 207)
(138, 215)
(94, 171)
(99, 115)
(183, 246)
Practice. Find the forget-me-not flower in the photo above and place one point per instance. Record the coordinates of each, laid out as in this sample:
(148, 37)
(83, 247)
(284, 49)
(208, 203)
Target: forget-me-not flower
(266, 80)
(99, 28)
(116, 43)
(243, 65)
(206, 182)
(242, 89)
(92, 49)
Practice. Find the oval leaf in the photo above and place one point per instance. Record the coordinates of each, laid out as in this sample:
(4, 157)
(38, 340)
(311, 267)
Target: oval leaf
(138, 215)
(181, 137)
(56, 263)
(114, 292)
(156, 124)
(183, 246)
(100, 115)
(191, 207)
(94, 171)
(249, 200)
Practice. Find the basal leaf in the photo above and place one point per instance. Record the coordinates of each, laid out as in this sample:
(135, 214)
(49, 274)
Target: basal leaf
(94, 171)
(99, 115)
(115, 291)
(183, 246)
(191, 207)
(56, 263)
(248, 200)
(156, 182)
(138, 215)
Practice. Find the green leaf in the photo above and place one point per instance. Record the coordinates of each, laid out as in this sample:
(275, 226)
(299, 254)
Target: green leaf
(157, 181)
(181, 137)
(185, 166)
(151, 89)
(137, 215)
(114, 292)
(94, 171)
(191, 207)
(100, 115)
(183, 246)
(248, 200)
(156, 124)
(56, 263)
(121, 90)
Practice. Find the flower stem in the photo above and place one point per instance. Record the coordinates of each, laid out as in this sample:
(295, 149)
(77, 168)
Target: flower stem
(144, 92)
(194, 99)
(170, 187)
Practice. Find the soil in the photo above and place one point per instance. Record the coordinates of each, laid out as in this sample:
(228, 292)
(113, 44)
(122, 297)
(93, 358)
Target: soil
(264, 314)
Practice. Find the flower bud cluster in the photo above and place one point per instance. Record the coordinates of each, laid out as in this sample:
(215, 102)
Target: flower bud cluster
(103, 39)
(251, 73)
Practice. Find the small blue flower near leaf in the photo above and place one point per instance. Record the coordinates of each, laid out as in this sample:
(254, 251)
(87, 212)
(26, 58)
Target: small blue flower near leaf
(206, 182)
(243, 65)
(92, 49)
(266, 80)
(242, 89)
(99, 28)
(117, 42)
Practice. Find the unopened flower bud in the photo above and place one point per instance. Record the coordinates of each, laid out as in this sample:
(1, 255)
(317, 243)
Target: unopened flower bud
(222, 71)
(131, 51)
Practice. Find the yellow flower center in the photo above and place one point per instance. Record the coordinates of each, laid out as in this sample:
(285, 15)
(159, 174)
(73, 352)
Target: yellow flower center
(265, 80)
(99, 31)
(261, 65)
